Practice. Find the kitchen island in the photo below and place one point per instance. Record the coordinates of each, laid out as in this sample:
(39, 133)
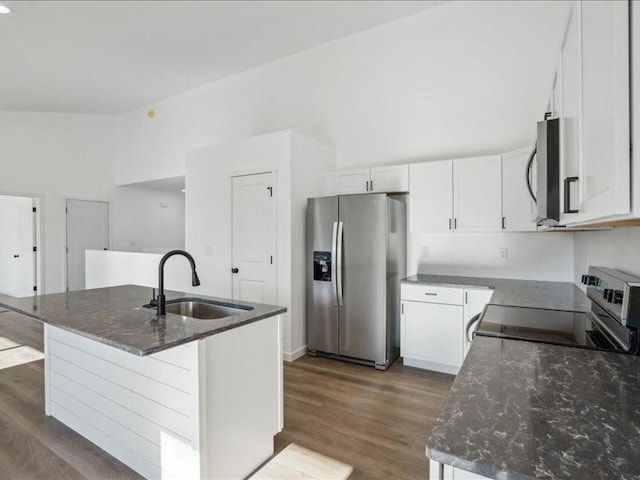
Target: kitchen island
(171, 396)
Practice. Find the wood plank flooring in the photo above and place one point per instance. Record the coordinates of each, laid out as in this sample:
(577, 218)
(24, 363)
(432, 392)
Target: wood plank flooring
(378, 422)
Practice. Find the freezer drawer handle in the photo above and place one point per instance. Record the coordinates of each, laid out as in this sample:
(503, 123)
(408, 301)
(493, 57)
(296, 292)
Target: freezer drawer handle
(339, 262)
(431, 294)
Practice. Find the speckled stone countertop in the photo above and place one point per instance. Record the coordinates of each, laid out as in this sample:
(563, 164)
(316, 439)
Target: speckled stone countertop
(522, 410)
(114, 316)
(517, 293)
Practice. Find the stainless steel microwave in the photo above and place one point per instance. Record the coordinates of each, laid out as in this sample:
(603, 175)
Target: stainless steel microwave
(548, 173)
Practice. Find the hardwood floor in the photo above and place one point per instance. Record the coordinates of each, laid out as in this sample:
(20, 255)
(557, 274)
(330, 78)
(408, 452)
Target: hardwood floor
(378, 422)
(32, 445)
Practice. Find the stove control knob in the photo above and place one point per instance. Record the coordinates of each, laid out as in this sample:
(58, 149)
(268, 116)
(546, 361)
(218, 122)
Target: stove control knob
(617, 296)
(585, 279)
(593, 280)
(605, 293)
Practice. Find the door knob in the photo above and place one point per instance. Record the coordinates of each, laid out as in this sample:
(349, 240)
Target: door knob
(234, 270)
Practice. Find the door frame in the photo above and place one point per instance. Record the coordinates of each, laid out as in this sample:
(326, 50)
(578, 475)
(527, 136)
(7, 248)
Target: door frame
(38, 235)
(65, 200)
(244, 173)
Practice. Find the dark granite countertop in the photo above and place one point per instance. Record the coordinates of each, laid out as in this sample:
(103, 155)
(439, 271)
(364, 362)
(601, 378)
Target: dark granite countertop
(114, 316)
(517, 293)
(522, 410)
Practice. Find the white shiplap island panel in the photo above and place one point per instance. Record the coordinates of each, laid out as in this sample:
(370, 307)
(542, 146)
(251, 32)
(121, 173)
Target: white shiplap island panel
(206, 409)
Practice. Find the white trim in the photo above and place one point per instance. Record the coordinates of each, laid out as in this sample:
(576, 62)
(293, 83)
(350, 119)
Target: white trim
(436, 367)
(251, 171)
(296, 354)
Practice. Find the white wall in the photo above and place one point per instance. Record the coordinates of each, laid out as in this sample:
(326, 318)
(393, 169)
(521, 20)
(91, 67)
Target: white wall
(110, 268)
(533, 256)
(56, 156)
(461, 79)
(618, 248)
(297, 162)
(147, 219)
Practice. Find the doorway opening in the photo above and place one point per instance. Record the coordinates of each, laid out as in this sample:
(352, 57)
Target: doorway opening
(20, 262)
(87, 229)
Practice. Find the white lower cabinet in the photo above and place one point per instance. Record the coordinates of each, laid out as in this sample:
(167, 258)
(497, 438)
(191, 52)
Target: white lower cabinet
(441, 471)
(432, 324)
(432, 336)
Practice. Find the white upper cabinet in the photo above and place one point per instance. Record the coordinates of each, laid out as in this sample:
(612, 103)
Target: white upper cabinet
(462, 195)
(605, 185)
(568, 97)
(389, 179)
(352, 181)
(591, 98)
(518, 208)
(431, 198)
(477, 194)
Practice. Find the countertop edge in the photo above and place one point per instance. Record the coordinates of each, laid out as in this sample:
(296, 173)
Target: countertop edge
(448, 284)
(148, 351)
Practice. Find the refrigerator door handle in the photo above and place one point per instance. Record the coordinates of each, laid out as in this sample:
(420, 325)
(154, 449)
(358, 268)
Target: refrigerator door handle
(339, 267)
(334, 237)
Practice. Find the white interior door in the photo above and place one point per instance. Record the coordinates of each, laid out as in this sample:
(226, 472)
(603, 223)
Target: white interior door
(17, 239)
(87, 229)
(254, 238)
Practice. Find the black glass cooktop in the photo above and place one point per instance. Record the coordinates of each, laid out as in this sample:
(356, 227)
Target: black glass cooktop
(577, 329)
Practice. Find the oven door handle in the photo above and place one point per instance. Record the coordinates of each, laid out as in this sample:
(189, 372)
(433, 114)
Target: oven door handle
(470, 323)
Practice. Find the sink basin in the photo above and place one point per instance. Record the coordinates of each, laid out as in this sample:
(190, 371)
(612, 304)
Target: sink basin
(203, 309)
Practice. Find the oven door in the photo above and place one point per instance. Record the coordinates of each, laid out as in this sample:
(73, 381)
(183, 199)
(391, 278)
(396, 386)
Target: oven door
(607, 334)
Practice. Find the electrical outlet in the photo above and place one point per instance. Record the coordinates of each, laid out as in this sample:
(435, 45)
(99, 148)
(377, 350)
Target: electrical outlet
(425, 252)
(503, 253)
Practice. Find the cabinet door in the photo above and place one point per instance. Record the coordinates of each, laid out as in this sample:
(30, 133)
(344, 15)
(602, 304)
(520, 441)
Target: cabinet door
(432, 333)
(605, 109)
(518, 208)
(569, 112)
(474, 301)
(431, 198)
(389, 179)
(477, 194)
(352, 181)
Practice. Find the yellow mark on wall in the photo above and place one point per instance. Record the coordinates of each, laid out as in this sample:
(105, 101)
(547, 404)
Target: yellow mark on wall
(151, 113)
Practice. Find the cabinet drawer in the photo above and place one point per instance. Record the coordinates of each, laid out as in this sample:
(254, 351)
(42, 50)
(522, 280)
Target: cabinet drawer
(432, 294)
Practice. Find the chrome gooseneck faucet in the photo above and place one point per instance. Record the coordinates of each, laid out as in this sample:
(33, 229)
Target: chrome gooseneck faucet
(195, 281)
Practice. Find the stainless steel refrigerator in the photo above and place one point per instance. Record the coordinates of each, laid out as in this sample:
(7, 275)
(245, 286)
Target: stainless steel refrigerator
(356, 251)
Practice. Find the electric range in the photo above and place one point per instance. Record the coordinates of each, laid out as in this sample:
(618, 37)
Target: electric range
(611, 325)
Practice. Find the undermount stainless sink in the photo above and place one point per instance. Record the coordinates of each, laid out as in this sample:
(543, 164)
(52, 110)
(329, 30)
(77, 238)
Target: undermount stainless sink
(203, 309)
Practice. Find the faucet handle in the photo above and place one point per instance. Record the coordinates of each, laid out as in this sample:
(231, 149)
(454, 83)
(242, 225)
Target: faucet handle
(154, 300)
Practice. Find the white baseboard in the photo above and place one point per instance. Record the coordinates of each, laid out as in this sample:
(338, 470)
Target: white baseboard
(293, 356)
(437, 367)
